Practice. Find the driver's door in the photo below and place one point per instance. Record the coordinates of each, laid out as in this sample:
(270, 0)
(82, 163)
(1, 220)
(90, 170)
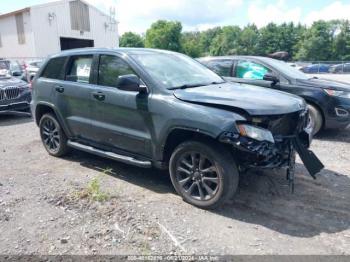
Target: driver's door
(250, 72)
(119, 117)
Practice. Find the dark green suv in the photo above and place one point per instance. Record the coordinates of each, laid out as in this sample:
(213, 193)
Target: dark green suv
(154, 108)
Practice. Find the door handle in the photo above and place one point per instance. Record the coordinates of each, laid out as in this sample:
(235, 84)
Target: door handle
(99, 96)
(59, 89)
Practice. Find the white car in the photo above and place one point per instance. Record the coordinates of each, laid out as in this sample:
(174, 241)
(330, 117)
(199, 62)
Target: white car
(32, 68)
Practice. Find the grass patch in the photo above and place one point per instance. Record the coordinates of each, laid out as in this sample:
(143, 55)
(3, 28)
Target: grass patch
(93, 192)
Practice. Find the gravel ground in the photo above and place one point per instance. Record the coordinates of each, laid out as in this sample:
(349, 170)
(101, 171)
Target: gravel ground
(45, 207)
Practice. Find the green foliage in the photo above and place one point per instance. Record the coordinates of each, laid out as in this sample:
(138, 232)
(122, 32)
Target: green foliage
(92, 192)
(190, 44)
(164, 35)
(226, 42)
(317, 43)
(322, 41)
(342, 41)
(130, 39)
(248, 40)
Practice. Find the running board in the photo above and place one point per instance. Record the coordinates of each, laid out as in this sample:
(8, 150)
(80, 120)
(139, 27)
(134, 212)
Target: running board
(111, 155)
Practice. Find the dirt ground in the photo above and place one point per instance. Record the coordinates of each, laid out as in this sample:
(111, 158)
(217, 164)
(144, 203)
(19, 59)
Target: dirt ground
(44, 207)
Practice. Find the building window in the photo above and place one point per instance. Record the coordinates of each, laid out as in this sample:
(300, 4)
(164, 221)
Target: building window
(79, 16)
(20, 29)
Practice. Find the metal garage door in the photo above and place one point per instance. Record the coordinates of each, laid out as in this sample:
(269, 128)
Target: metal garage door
(71, 43)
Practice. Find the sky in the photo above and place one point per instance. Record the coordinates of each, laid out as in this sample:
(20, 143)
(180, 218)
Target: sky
(138, 15)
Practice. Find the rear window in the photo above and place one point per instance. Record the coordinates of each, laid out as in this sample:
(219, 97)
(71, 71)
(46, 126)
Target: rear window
(54, 68)
(15, 66)
(80, 68)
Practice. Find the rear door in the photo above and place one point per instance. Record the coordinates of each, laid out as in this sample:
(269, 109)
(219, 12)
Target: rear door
(73, 96)
(119, 117)
(223, 67)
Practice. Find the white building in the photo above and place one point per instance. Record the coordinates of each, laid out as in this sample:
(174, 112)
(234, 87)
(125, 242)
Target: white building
(38, 31)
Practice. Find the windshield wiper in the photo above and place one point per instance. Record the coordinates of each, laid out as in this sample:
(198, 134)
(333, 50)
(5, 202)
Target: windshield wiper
(194, 85)
(185, 86)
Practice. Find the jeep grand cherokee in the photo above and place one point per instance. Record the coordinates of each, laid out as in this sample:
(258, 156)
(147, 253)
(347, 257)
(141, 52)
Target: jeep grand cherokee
(157, 108)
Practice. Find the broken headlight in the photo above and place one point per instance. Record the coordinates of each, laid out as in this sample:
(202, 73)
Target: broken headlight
(256, 133)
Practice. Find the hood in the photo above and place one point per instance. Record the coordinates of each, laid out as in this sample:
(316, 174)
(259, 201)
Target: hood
(10, 81)
(252, 99)
(325, 83)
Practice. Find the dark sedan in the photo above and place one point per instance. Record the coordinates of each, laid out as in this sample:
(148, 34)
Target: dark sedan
(328, 101)
(15, 94)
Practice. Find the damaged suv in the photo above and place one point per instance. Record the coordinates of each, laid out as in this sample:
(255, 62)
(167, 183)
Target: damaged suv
(163, 109)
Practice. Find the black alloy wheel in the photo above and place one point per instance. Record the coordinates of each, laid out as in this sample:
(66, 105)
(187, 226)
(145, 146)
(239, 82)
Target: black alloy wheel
(197, 176)
(205, 175)
(52, 136)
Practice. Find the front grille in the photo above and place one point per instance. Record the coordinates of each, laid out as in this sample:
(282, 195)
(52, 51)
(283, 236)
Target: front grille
(285, 125)
(8, 93)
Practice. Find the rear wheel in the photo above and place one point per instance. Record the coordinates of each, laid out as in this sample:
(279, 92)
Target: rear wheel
(52, 136)
(315, 121)
(205, 176)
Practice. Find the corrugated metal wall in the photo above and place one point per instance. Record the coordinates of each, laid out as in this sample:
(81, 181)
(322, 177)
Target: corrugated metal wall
(47, 32)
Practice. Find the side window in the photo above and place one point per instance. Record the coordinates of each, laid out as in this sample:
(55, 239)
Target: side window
(110, 68)
(15, 66)
(79, 69)
(221, 67)
(54, 68)
(250, 70)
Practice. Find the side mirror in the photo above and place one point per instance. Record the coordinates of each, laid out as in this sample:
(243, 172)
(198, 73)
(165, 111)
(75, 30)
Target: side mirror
(16, 73)
(130, 83)
(271, 78)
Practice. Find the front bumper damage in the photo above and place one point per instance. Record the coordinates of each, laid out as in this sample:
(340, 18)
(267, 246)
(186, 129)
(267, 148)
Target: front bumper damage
(253, 154)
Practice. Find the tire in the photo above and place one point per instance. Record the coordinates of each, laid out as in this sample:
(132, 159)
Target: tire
(211, 181)
(52, 136)
(315, 119)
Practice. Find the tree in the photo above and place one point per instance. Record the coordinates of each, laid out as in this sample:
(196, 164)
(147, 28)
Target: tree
(164, 35)
(317, 42)
(190, 44)
(269, 40)
(226, 42)
(247, 42)
(342, 41)
(130, 39)
(207, 37)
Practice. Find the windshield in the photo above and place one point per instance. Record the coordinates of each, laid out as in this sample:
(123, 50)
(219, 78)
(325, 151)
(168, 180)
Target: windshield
(176, 70)
(4, 65)
(4, 69)
(287, 70)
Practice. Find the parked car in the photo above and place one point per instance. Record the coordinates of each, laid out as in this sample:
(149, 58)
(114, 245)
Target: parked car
(316, 68)
(32, 68)
(341, 68)
(14, 68)
(15, 94)
(328, 101)
(157, 108)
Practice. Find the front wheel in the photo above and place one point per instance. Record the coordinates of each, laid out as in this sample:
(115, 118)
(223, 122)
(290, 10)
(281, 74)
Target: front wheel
(205, 176)
(315, 120)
